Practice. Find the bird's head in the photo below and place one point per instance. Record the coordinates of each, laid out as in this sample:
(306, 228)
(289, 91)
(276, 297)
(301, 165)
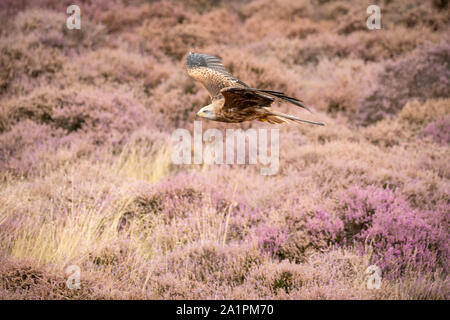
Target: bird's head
(207, 112)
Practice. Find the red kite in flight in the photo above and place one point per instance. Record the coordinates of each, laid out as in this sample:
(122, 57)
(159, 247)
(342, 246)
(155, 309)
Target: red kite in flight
(232, 100)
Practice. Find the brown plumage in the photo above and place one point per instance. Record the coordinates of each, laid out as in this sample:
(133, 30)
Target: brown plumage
(233, 100)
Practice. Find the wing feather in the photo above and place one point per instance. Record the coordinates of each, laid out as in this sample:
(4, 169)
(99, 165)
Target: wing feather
(270, 94)
(210, 72)
(242, 97)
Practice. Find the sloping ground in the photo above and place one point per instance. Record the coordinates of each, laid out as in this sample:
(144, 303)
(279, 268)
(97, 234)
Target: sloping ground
(86, 175)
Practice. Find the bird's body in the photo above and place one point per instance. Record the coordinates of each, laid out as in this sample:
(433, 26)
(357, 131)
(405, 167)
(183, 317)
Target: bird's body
(234, 114)
(234, 101)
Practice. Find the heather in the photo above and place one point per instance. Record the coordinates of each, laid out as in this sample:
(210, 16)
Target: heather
(86, 176)
(422, 76)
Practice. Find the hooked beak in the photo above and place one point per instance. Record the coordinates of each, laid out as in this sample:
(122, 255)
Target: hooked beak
(199, 114)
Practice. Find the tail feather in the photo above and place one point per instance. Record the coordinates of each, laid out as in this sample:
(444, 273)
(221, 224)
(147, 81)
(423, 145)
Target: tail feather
(283, 116)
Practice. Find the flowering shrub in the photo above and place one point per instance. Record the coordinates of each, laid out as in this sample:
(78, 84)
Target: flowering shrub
(423, 75)
(271, 239)
(439, 130)
(324, 229)
(86, 175)
(400, 236)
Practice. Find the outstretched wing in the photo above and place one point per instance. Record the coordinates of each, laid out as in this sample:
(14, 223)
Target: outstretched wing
(267, 94)
(210, 71)
(241, 97)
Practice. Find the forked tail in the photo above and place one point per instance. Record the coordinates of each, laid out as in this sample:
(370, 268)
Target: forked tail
(281, 117)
